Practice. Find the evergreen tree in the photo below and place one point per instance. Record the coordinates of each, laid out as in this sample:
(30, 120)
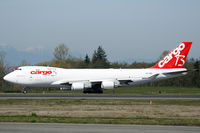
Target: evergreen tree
(99, 59)
(87, 59)
(101, 54)
(196, 76)
(94, 57)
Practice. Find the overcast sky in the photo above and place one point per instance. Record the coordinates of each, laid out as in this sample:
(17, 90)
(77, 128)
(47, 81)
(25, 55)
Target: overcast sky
(126, 29)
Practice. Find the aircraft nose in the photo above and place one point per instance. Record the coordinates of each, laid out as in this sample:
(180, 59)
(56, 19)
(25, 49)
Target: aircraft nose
(6, 78)
(9, 78)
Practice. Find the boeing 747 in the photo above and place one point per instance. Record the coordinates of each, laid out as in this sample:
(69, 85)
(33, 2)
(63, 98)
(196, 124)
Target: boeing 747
(98, 79)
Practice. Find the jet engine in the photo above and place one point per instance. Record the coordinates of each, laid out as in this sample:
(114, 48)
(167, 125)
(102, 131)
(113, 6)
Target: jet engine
(107, 85)
(77, 86)
(80, 85)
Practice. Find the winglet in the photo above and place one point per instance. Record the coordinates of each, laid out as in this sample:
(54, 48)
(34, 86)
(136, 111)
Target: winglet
(176, 58)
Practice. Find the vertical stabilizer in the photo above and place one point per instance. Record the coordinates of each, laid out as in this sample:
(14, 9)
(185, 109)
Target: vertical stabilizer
(176, 58)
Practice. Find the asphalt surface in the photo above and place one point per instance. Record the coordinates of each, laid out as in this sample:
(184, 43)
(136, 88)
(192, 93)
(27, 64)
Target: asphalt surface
(91, 128)
(27, 96)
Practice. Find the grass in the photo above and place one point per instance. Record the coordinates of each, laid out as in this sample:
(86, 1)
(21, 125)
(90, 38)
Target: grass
(130, 102)
(102, 111)
(155, 91)
(105, 111)
(102, 120)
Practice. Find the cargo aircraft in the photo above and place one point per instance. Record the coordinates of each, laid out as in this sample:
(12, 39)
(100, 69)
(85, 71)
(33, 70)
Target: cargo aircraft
(95, 80)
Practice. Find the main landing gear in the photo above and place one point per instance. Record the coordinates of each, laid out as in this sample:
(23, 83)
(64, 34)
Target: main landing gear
(24, 90)
(96, 88)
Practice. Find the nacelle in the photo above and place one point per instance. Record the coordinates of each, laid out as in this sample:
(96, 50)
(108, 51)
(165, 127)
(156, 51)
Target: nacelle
(77, 86)
(80, 85)
(107, 84)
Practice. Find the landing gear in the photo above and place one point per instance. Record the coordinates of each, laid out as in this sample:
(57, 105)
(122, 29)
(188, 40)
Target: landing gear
(95, 89)
(24, 90)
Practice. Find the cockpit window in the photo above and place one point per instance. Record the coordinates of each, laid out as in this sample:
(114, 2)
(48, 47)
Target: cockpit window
(19, 69)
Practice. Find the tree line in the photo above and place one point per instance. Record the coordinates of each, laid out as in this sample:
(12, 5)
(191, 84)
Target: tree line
(99, 59)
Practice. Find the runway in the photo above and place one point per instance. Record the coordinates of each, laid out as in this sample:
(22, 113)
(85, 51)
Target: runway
(92, 128)
(25, 96)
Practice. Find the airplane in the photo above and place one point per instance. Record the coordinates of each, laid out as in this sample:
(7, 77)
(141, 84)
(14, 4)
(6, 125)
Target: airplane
(95, 80)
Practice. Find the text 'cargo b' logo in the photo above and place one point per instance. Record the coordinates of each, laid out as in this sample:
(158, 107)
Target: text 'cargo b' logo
(41, 72)
(176, 53)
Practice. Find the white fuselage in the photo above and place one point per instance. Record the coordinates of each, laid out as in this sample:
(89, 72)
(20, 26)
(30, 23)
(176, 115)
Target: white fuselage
(97, 79)
(39, 76)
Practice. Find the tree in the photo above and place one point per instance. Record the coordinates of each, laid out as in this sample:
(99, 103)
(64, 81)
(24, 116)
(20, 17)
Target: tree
(2, 66)
(100, 54)
(99, 58)
(61, 52)
(87, 59)
(94, 57)
(196, 76)
(2, 57)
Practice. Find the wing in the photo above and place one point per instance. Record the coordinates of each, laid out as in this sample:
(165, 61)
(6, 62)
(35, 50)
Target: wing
(117, 81)
(134, 81)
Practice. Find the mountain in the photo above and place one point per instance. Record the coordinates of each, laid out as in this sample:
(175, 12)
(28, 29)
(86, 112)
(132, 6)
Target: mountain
(38, 54)
(30, 55)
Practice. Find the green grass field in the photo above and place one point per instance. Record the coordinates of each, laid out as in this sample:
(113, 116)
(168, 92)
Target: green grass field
(155, 91)
(101, 120)
(106, 111)
(103, 111)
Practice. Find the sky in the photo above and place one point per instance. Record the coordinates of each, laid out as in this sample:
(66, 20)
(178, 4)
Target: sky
(136, 30)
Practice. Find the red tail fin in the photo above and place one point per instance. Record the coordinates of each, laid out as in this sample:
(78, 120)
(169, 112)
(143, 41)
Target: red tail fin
(176, 58)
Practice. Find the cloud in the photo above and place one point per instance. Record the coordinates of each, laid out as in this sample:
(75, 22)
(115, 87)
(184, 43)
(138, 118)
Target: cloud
(34, 48)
